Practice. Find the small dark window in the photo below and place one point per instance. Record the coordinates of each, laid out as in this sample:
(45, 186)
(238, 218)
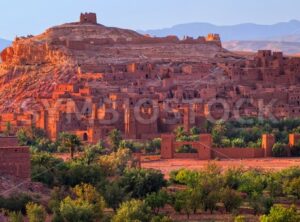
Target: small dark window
(85, 137)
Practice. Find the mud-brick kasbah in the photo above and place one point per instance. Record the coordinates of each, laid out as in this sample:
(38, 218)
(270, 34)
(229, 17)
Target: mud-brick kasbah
(77, 76)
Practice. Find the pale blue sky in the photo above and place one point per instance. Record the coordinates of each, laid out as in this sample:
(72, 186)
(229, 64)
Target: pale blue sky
(22, 17)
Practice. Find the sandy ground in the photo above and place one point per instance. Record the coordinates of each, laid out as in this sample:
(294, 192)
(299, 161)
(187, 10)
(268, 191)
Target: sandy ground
(166, 166)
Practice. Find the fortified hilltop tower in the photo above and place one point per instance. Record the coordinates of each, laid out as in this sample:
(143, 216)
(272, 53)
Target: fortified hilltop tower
(88, 18)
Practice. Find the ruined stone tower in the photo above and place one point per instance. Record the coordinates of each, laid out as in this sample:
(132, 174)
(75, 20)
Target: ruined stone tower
(88, 18)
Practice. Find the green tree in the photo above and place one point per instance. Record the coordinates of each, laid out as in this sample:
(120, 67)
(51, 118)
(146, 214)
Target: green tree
(252, 181)
(161, 218)
(44, 145)
(78, 173)
(46, 168)
(196, 198)
(116, 162)
(88, 193)
(203, 186)
(260, 203)
(115, 138)
(218, 132)
(30, 136)
(157, 200)
(77, 210)
(210, 201)
(114, 195)
(279, 150)
(140, 182)
(133, 210)
(69, 141)
(231, 199)
(87, 205)
(92, 152)
(36, 213)
(275, 186)
(292, 187)
(281, 214)
(232, 177)
(182, 202)
(211, 182)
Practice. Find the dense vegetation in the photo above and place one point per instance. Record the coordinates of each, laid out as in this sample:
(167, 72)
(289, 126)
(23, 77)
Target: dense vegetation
(105, 176)
(246, 133)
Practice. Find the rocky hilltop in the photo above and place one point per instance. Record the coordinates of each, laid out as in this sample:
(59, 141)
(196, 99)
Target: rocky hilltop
(32, 66)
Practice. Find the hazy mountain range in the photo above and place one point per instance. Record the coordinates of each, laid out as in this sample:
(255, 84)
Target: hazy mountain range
(246, 31)
(284, 36)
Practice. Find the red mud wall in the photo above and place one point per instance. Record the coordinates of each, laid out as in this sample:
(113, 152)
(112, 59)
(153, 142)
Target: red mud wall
(8, 141)
(237, 153)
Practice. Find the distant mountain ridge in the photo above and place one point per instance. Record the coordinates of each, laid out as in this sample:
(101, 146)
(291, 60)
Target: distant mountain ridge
(283, 36)
(242, 32)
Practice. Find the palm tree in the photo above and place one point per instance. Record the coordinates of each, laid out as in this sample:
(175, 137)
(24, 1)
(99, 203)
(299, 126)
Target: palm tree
(69, 141)
(115, 139)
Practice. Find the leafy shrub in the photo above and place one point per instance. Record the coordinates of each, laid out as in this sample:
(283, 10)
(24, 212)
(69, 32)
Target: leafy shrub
(140, 182)
(240, 219)
(35, 212)
(157, 200)
(252, 181)
(225, 142)
(77, 174)
(15, 217)
(77, 211)
(186, 149)
(153, 147)
(231, 199)
(260, 203)
(87, 206)
(292, 187)
(238, 142)
(46, 168)
(30, 136)
(281, 214)
(133, 210)
(116, 162)
(279, 150)
(161, 218)
(16, 202)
